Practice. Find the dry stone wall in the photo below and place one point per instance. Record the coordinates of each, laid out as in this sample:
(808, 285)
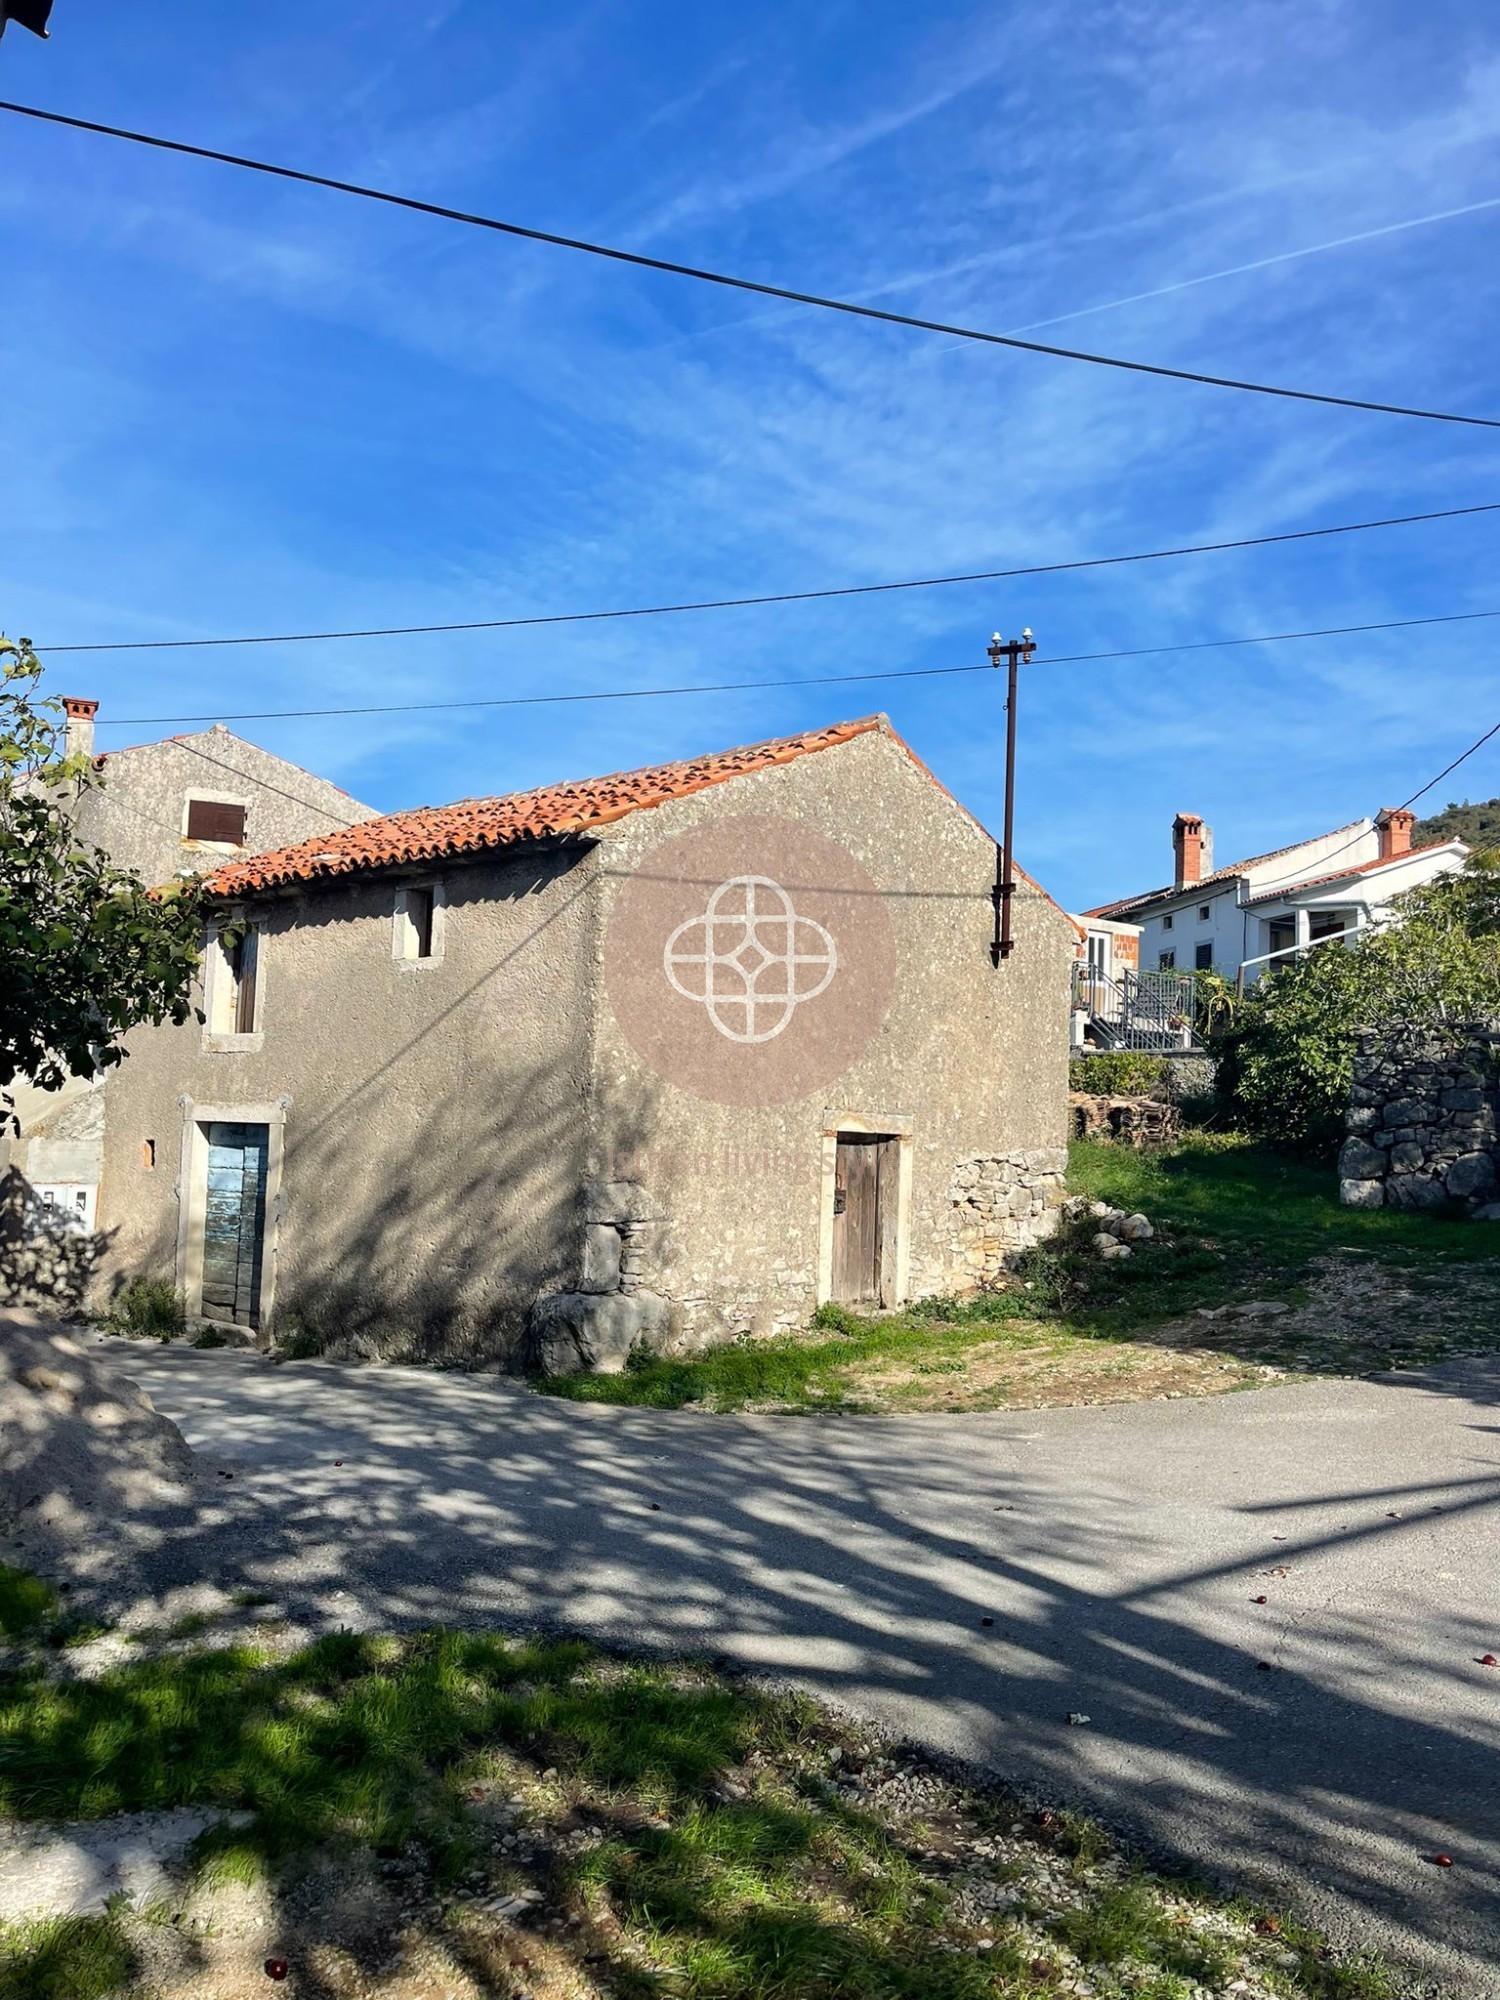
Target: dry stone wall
(998, 1204)
(1424, 1120)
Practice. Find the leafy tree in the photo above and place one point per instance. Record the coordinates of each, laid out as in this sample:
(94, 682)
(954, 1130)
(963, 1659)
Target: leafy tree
(87, 950)
(1286, 1049)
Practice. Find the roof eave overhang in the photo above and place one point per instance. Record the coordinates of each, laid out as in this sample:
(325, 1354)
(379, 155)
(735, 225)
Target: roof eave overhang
(403, 870)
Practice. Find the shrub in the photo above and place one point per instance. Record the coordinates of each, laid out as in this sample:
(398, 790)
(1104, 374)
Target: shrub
(148, 1309)
(1286, 1048)
(295, 1340)
(1119, 1073)
(834, 1318)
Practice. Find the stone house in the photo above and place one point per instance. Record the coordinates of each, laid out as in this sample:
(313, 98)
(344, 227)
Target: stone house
(181, 805)
(666, 1056)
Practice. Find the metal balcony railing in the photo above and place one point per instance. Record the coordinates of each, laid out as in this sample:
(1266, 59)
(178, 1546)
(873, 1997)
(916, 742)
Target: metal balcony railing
(1137, 1010)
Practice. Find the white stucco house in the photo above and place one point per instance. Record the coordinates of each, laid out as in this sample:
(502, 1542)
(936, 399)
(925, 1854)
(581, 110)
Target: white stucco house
(1241, 919)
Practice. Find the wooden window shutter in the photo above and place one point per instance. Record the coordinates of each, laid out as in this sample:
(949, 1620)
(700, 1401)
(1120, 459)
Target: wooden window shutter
(208, 820)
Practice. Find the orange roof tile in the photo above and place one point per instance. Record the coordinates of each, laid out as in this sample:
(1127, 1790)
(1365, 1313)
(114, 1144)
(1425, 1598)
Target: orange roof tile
(474, 826)
(1346, 874)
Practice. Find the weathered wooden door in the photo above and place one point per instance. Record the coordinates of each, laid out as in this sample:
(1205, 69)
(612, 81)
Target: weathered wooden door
(234, 1223)
(864, 1182)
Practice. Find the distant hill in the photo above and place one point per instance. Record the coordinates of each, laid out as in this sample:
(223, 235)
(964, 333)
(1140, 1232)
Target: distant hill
(1477, 824)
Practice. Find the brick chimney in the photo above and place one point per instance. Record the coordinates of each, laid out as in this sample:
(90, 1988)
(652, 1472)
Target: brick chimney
(1192, 849)
(1394, 825)
(80, 713)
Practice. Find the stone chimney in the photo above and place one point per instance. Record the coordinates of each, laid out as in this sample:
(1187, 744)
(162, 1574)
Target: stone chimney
(80, 713)
(1394, 825)
(1192, 849)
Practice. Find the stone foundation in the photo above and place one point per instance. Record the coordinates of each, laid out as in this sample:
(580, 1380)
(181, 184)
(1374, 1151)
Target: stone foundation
(1424, 1120)
(1000, 1204)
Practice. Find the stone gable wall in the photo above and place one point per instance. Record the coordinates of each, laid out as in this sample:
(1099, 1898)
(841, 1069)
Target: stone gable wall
(1424, 1120)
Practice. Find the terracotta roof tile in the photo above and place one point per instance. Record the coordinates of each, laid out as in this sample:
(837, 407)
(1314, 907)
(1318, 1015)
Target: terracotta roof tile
(1345, 874)
(1218, 877)
(475, 826)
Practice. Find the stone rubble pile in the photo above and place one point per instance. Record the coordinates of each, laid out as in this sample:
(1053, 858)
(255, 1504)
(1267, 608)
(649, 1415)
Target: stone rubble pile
(1116, 1232)
(1422, 1122)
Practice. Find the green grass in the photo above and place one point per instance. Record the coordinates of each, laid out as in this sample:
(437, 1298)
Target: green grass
(694, 1836)
(1233, 1222)
(27, 1603)
(64, 1958)
(1273, 1214)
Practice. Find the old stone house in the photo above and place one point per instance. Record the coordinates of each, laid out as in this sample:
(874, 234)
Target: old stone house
(664, 1057)
(180, 805)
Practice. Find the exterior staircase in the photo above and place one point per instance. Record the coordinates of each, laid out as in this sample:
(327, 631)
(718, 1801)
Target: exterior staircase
(1151, 1011)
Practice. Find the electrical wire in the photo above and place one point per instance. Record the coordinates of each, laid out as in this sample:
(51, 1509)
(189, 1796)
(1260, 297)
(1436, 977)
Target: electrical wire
(809, 680)
(702, 275)
(779, 597)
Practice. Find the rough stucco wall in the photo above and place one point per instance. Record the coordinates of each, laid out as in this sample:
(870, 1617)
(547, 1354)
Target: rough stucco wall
(136, 813)
(434, 1139)
(973, 1057)
(448, 1128)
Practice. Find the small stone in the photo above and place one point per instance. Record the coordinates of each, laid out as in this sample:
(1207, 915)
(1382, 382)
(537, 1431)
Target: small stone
(1362, 1194)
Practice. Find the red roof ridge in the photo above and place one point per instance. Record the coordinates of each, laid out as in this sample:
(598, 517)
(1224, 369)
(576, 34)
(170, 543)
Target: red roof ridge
(547, 812)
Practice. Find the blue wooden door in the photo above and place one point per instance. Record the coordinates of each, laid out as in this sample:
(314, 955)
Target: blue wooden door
(234, 1226)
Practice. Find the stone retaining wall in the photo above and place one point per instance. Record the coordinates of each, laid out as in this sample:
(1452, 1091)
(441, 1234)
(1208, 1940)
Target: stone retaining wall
(1424, 1120)
(1001, 1203)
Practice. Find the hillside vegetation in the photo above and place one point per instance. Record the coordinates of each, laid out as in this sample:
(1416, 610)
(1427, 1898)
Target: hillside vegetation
(1478, 824)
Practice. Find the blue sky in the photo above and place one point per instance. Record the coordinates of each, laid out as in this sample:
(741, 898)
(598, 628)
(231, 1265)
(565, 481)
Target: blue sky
(230, 405)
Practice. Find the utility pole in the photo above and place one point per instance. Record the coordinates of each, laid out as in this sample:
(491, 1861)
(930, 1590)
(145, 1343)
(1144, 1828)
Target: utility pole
(1015, 652)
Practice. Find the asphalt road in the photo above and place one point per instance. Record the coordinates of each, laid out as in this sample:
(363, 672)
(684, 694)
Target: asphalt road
(1319, 1748)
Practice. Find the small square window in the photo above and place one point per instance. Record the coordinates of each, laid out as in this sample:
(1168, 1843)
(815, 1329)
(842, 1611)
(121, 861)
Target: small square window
(1205, 911)
(212, 820)
(1203, 958)
(1166, 922)
(1166, 960)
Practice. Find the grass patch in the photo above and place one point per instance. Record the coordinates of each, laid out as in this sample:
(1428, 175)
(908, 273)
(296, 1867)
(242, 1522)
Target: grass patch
(1234, 1224)
(65, 1958)
(27, 1603)
(656, 1828)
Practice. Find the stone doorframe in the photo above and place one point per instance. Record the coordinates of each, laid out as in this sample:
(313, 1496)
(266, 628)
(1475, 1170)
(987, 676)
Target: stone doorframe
(192, 1196)
(895, 1247)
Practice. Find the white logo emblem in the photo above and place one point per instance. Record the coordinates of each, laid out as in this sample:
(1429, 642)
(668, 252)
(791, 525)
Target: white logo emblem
(750, 959)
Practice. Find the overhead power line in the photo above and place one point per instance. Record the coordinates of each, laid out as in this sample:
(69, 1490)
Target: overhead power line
(776, 597)
(702, 275)
(809, 680)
